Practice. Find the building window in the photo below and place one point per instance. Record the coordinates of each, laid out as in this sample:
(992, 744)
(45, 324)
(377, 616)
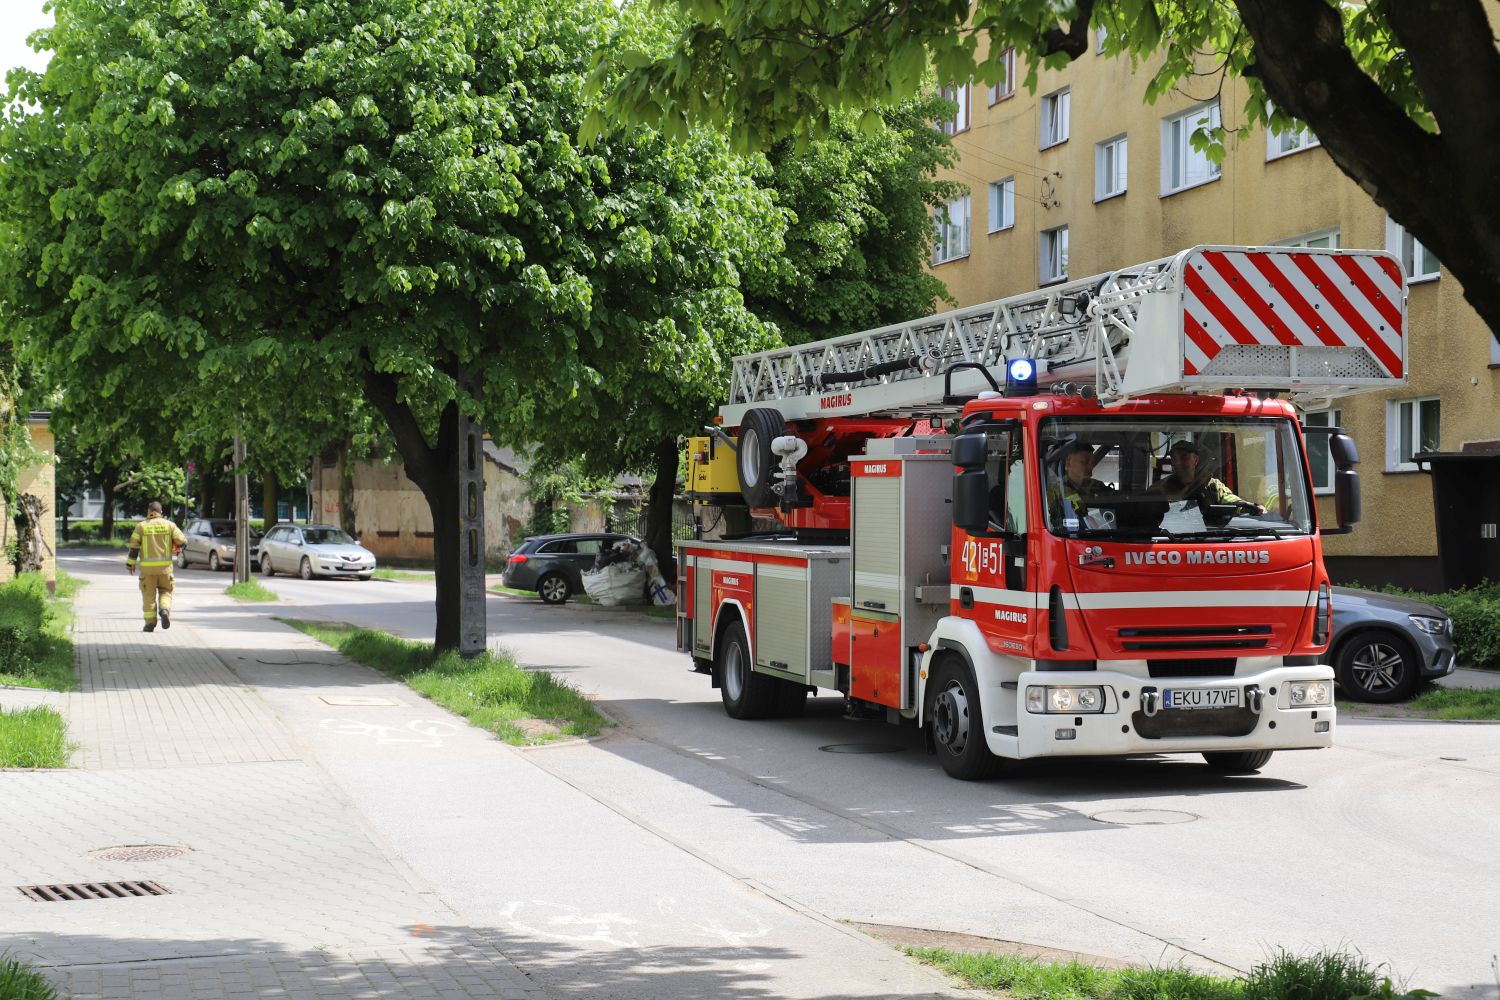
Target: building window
(1055, 117)
(1293, 140)
(1411, 426)
(1109, 168)
(1007, 86)
(952, 231)
(1318, 457)
(1002, 204)
(1421, 263)
(1494, 350)
(1324, 239)
(1182, 166)
(1054, 254)
(960, 120)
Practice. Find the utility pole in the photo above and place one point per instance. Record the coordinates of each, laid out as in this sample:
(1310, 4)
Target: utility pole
(472, 601)
(241, 514)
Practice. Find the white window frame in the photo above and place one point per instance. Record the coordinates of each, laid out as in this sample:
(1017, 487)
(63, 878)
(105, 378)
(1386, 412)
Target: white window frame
(1289, 142)
(1322, 418)
(1053, 255)
(1053, 119)
(1111, 167)
(1002, 205)
(1494, 349)
(1314, 240)
(1411, 253)
(952, 225)
(962, 96)
(1005, 89)
(1177, 153)
(1393, 417)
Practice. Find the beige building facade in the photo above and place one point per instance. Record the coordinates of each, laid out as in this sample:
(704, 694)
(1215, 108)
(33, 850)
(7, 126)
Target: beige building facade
(40, 481)
(1084, 176)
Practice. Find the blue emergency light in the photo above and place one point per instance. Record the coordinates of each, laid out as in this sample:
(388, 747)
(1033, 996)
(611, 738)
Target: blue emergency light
(1020, 377)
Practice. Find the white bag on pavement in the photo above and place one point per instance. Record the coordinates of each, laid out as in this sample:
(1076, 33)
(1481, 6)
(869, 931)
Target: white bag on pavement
(617, 583)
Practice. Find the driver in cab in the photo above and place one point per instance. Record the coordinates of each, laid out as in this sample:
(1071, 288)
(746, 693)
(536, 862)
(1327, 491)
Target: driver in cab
(1189, 480)
(1068, 499)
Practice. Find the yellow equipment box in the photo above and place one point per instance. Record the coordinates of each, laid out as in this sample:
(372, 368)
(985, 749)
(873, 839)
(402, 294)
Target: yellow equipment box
(713, 475)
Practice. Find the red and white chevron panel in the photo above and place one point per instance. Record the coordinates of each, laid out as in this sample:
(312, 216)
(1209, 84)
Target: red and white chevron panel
(1289, 298)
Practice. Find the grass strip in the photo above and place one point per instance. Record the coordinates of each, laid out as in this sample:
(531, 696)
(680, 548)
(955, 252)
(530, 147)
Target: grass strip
(250, 590)
(47, 662)
(19, 981)
(33, 737)
(386, 573)
(1321, 976)
(521, 707)
(1457, 704)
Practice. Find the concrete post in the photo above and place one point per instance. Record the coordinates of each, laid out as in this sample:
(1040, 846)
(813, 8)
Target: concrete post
(472, 626)
(241, 514)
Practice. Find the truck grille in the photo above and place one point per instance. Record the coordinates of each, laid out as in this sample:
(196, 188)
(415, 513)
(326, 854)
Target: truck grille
(1195, 637)
(1196, 666)
(1169, 724)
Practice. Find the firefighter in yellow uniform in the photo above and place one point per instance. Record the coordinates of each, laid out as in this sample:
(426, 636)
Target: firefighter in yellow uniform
(152, 544)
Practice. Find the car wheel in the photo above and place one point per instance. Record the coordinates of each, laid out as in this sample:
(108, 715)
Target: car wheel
(265, 566)
(1376, 665)
(1237, 761)
(553, 588)
(213, 561)
(365, 576)
(754, 459)
(956, 722)
(306, 569)
(181, 558)
(746, 694)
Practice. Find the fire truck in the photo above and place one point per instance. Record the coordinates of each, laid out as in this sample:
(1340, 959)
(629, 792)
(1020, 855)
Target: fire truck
(1077, 521)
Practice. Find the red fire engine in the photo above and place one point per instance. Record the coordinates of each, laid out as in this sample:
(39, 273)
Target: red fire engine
(1075, 521)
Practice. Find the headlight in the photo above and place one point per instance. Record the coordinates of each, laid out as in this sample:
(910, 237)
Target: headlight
(1432, 626)
(1308, 694)
(1065, 700)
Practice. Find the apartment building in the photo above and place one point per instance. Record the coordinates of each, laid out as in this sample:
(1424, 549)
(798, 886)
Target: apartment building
(1084, 176)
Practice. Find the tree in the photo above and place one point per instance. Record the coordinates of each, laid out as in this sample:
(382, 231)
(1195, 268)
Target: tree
(388, 194)
(1401, 95)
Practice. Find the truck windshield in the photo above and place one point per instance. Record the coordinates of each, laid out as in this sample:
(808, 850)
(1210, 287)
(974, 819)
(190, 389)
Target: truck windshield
(1173, 478)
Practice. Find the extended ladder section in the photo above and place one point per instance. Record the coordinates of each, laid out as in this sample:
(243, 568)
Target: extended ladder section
(1312, 324)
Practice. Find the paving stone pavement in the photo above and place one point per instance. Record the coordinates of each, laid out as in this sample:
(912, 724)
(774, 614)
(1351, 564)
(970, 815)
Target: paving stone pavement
(282, 891)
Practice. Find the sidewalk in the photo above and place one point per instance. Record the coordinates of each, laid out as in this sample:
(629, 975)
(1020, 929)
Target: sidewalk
(340, 836)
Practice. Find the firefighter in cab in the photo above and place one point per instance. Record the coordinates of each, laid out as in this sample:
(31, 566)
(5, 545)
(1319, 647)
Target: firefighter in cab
(152, 545)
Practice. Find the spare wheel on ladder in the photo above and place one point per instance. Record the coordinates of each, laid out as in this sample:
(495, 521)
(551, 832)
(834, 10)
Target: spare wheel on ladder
(757, 464)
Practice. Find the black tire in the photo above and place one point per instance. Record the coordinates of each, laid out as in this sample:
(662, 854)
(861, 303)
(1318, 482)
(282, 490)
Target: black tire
(554, 588)
(791, 699)
(1377, 665)
(265, 566)
(180, 558)
(746, 694)
(213, 562)
(305, 570)
(1237, 761)
(957, 724)
(366, 576)
(757, 466)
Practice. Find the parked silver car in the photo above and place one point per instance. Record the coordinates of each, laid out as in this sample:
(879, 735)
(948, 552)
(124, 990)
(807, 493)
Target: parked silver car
(1385, 646)
(210, 542)
(310, 550)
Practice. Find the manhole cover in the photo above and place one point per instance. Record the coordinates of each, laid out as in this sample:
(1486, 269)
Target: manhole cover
(862, 748)
(139, 852)
(1143, 817)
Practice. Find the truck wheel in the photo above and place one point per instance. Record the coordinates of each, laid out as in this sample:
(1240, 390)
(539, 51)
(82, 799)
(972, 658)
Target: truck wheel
(1237, 761)
(957, 723)
(791, 699)
(1376, 666)
(746, 694)
(757, 466)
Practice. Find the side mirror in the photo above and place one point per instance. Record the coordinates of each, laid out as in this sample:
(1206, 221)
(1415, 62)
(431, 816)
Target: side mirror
(969, 451)
(971, 498)
(1344, 451)
(1346, 500)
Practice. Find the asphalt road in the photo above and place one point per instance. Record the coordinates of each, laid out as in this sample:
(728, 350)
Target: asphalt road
(1385, 843)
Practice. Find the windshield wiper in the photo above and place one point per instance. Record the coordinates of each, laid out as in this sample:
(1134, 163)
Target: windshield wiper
(1241, 532)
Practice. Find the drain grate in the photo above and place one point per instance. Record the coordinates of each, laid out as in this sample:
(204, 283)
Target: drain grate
(862, 748)
(139, 852)
(91, 890)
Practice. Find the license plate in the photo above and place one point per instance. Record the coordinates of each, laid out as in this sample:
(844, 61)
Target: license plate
(1191, 698)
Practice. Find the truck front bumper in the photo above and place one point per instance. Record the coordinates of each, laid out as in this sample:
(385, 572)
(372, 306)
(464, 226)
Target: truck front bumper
(1254, 712)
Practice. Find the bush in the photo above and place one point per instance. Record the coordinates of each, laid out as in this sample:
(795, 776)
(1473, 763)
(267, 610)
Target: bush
(23, 617)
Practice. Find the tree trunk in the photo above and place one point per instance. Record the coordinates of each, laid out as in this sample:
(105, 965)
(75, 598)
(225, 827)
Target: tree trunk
(436, 470)
(208, 484)
(107, 481)
(348, 512)
(268, 493)
(658, 534)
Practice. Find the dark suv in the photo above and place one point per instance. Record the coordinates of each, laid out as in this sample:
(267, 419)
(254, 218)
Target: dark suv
(553, 565)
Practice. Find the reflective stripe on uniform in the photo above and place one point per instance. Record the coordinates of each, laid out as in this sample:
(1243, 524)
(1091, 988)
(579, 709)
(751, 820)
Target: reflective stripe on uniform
(154, 540)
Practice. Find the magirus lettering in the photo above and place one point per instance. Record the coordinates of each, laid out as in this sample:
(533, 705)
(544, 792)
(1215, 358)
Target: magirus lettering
(836, 400)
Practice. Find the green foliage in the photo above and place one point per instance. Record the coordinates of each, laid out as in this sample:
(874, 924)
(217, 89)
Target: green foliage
(250, 590)
(19, 981)
(24, 613)
(490, 690)
(1322, 976)
(1456, 704)
(32, 737)
(553, 491)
